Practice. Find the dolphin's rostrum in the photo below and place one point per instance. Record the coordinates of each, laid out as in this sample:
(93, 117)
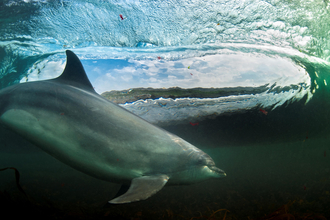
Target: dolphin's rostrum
(66, 118)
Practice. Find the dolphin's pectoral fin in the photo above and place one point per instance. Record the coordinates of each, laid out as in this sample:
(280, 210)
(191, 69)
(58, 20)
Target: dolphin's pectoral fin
(123, 189)
(142, 188)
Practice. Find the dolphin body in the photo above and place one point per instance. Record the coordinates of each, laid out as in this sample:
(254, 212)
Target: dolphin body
(66, 118)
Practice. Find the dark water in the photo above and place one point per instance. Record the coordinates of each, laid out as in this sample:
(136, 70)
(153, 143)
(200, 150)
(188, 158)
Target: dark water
(266, 170)
(275, 151)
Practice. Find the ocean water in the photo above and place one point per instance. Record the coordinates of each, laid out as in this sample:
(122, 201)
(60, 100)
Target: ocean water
(245, 81)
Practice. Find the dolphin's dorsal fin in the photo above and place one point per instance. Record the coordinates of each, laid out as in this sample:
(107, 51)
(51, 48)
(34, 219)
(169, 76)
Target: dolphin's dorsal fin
(142, 188)
(74, 73)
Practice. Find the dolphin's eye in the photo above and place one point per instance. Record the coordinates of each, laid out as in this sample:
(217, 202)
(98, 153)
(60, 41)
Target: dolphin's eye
(200, 161)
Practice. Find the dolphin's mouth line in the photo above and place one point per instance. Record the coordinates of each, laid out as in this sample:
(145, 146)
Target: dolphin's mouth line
(217, 170)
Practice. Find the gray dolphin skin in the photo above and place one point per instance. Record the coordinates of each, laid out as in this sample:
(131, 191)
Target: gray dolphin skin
(66, 118)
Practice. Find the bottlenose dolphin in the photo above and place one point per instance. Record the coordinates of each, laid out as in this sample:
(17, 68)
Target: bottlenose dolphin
(66, 118)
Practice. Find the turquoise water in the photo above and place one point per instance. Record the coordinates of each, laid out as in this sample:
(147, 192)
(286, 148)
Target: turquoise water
(269, 128)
